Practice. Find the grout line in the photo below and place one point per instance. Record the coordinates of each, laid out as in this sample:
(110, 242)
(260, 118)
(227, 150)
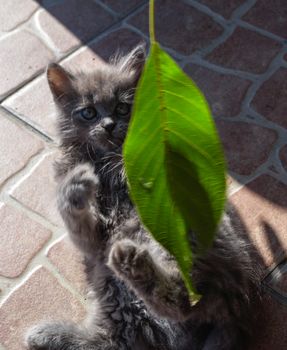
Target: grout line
(16, 285)
(22, 173)
(20, 26)
(63, 56)
(273, 67)
(40, 259)
(64, 282)
(208, 11)
(29, 123)
(33, 215)
(272, 159)
(25, 81)
(107, 8)
(23, 122)
(219, 69)
(243, 9)
(135, 11)
(35, 27)
(24, 22)
(259, 30)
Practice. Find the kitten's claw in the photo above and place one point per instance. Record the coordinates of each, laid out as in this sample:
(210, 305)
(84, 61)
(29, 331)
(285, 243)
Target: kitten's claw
(77, 189)
(131, 261)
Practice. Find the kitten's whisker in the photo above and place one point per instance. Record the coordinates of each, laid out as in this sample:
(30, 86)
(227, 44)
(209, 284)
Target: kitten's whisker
(89, 154)
(112, 143)
(105, 166)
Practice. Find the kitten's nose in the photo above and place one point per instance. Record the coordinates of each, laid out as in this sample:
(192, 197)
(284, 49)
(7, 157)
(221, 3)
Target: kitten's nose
(108, 124)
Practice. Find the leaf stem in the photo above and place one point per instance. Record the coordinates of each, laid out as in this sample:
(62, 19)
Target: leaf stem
(151, 22)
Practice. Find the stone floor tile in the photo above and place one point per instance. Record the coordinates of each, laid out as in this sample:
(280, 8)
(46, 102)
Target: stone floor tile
(34, 103)
(68, 29)
(238, 52)
(41, 297)
(224, 8)
(283, 156)
(15, 12)
(38, 191)
(21, 239)
(270, 15)
(262, 206)
(271, 98)
(225, 93)
(246, 145)
(68, 261)
(123, 7)
(17, 147)
(86, 60)
(185, 25)
(18, 61)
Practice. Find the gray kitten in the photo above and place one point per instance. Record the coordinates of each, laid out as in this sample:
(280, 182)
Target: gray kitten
(140, 299)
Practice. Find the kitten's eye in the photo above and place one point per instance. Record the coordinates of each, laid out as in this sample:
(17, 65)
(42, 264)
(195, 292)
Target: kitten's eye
(123, 108)
(88, 113)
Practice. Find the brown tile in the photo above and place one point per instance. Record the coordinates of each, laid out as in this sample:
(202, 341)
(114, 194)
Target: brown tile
(38, 191)
(18, 61)
(270, 15)
(271, 98)
(123, 7)
(17, 147)
(270, 331)
(185, 25)
(41, 297)
(237, 52)
(15, 12)
(224, 8)
(68, 261)
(225, 93)
(21, 239)
(121, 40)
(283, 156)
(246, 145)
(34, 103)
(262, 205)
(68, 29)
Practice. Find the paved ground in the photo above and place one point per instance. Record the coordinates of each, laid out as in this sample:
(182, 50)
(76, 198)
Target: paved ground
(235, 50)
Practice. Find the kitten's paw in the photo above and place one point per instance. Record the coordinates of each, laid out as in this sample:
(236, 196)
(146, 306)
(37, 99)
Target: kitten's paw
(41, 337)
(131, 261)
(78, 188)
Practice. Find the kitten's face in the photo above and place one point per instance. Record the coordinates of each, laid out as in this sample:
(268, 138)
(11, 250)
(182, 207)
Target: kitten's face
(96, 107)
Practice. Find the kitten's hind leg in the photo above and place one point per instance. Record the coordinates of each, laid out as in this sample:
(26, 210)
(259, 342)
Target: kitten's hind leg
(158, 284)
(55, 336)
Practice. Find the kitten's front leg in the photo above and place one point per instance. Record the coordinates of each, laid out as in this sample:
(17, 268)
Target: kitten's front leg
(77, 205)
(160, 286)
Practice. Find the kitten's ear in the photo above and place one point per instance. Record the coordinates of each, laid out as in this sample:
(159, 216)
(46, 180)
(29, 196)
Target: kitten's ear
(134, 61)
(60, 81)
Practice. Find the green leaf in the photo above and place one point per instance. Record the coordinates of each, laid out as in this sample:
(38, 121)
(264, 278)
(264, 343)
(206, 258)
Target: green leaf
(174, 160)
